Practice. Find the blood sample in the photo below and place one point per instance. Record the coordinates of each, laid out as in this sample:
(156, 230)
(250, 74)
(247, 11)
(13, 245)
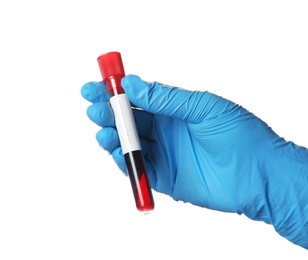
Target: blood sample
(112, 71)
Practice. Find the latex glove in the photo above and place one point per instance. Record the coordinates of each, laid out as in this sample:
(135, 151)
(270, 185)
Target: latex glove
(206, 150)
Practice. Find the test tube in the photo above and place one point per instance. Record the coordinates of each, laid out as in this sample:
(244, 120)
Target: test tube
(112, 70)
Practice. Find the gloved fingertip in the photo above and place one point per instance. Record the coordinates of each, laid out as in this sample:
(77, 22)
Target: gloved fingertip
(84, 91)
(108, 139)
(131, 83)
(91, 111)
(118, 157)
(129, 79)
(136, 90)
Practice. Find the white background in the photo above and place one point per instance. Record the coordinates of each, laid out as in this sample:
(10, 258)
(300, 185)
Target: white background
(61, 196)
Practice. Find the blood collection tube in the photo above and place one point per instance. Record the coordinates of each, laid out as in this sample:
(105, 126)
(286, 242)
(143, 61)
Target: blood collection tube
(112, 71)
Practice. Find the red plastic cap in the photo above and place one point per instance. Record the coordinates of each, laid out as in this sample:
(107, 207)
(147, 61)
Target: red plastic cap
(110, 64)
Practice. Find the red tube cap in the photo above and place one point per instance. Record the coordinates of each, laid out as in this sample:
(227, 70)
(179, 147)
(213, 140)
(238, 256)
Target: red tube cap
(111, 64)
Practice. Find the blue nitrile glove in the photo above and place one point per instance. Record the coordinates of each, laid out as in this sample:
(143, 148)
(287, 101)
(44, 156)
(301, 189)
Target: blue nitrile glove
(206, 150)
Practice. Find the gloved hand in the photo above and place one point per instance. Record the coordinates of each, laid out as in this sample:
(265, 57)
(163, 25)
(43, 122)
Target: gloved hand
(206, 150)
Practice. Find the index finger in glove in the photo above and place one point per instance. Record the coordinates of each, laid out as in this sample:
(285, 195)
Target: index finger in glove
(95, 92)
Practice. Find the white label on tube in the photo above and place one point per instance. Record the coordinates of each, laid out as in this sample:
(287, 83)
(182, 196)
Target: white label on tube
(125, 123)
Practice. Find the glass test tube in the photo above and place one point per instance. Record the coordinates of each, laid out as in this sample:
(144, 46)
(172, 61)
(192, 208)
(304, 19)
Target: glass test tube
(112, 71)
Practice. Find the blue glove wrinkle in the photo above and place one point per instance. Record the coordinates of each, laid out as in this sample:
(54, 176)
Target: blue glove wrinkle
(175, 102)
(161, 160)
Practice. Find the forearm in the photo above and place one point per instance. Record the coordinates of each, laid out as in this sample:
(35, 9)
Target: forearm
(283, 202)
(288, 193)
